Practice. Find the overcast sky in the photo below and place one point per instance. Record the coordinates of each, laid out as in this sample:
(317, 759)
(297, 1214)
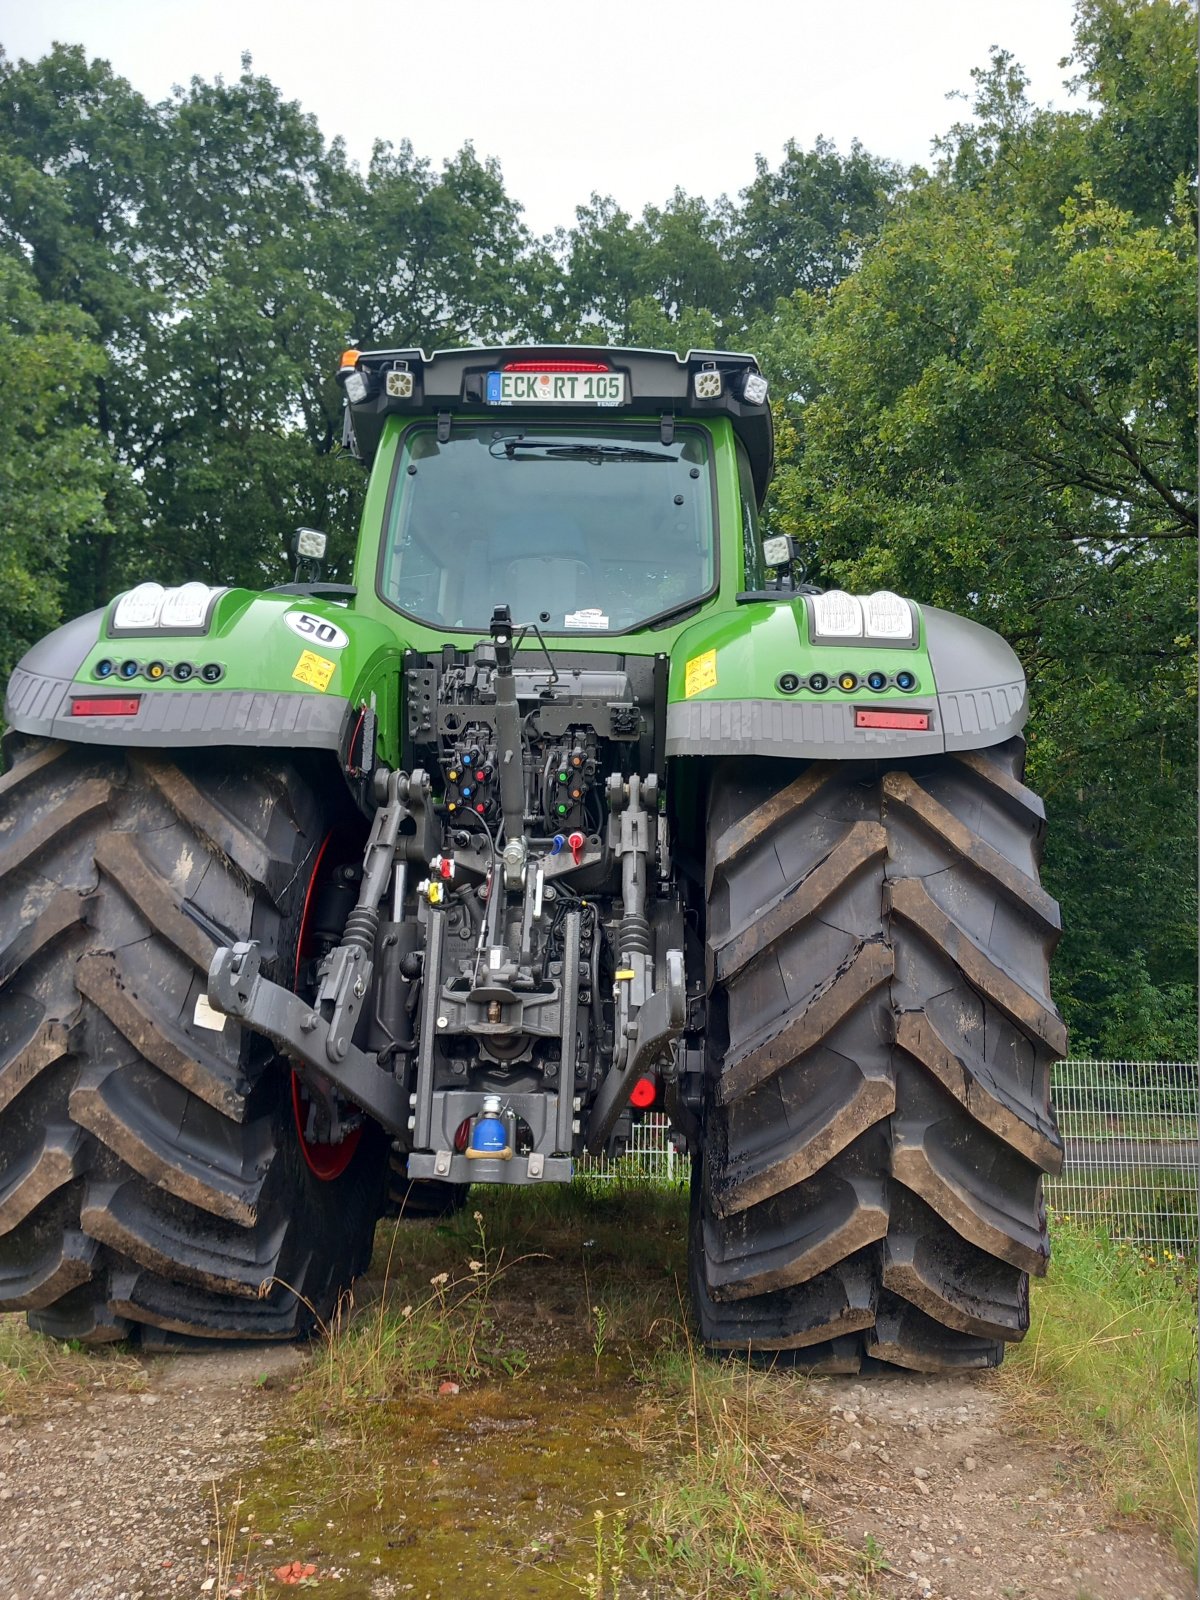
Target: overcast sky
(629, 97)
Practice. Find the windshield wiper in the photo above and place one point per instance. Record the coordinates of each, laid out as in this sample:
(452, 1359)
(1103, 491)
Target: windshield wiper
(598, 453)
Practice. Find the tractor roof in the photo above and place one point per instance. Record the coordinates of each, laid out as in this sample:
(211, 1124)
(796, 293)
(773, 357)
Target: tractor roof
(703, 383)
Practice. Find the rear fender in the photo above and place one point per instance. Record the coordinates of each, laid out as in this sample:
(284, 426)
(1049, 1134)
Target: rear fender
(741, 684)
(278, 671)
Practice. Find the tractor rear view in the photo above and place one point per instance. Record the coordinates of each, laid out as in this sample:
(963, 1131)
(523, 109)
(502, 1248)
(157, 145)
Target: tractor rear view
(573, 807)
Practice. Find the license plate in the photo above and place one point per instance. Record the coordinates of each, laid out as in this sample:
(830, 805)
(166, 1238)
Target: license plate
(556, 388)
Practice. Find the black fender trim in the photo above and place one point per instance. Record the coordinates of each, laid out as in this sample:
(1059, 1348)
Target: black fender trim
(959, 719)
(198, 717)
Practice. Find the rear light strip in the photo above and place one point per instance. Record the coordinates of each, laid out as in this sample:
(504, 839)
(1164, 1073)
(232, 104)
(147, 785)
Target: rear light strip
(916, 720)
(107, 706)
(555, 366)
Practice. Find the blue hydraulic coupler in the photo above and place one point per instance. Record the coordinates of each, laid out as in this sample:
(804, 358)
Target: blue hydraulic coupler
(489, 1134)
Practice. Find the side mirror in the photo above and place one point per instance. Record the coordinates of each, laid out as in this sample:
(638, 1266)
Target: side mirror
(308, 549)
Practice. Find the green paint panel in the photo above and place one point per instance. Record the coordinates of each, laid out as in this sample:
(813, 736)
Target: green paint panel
(742, 654)
(255, 647)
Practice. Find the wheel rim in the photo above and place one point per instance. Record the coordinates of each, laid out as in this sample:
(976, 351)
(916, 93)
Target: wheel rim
(324, 1161)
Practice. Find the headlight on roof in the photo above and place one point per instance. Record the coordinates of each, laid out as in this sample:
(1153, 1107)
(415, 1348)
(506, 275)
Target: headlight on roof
(708, 383)
(754, 389)
(357, 387)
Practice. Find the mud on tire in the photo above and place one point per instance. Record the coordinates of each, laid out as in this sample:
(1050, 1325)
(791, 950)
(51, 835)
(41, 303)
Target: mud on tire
(881, 1042)
(151, 1175)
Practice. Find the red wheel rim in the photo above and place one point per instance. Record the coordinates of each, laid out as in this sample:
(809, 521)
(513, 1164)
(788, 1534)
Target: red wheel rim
(324, 1161)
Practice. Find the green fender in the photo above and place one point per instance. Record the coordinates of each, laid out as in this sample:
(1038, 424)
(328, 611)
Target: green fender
(271, 670)
(741, 684)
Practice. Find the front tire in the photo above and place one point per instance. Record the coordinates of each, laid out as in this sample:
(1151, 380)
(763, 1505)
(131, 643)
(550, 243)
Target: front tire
(153, 1180)
(878, 1107)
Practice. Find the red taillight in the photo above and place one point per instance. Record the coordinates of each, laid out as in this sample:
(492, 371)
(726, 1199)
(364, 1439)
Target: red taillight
(644, 1094)
(461, 1134)
(555, 366)
(107, 706)
(892, 719)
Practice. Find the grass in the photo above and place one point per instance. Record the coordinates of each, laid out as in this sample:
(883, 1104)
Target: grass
(34, 1369)
(419, 1329)
(579, 1290)
(1110, 1356)
(729, 1519)
(450, 1303)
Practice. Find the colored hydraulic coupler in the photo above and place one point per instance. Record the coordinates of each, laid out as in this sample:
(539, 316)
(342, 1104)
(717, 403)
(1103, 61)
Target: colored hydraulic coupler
(489, 1133)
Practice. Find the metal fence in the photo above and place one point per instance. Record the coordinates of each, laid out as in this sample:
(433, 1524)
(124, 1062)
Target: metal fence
(1131, 1151)
(650, 1156)
(1130, 1135)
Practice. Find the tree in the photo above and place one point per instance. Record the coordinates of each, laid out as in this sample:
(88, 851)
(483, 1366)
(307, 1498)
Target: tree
(1000, 418)
(805, 225)
(54, 472)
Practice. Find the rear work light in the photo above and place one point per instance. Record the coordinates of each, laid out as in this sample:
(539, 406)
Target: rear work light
(918, 720)
(555, 366)
(107, 706)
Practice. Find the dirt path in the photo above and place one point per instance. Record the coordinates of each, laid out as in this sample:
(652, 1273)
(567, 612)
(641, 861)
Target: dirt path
(110, 1498)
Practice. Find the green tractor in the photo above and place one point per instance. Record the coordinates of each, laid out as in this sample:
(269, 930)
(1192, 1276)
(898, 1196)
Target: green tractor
(575, 807)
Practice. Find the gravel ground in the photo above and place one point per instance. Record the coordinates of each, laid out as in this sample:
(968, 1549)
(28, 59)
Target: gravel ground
(110, 1498)
(963, 1508)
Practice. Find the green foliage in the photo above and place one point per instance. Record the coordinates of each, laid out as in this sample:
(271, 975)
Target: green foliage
(984, 378)
(1112, 1345)
(805, 226)
(53, 472)
(996, 413)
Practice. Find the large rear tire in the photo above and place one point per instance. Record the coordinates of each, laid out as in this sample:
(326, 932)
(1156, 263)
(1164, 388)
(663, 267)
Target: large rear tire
(152, 1176)
(878, 1110)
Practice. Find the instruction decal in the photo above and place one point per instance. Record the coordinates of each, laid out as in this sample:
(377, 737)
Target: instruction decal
(700, 673)
(205, 1016)
(313, 671)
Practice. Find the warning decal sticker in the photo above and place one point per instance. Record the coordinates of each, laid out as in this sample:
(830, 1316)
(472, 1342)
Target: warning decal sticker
(313, 671)
(700, 673)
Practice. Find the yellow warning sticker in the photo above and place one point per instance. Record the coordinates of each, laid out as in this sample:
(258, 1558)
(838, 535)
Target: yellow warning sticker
(700, 673)
(313, 670)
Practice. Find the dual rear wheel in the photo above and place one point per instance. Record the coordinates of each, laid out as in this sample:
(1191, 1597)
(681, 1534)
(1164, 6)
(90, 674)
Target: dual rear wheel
(881, 1037)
